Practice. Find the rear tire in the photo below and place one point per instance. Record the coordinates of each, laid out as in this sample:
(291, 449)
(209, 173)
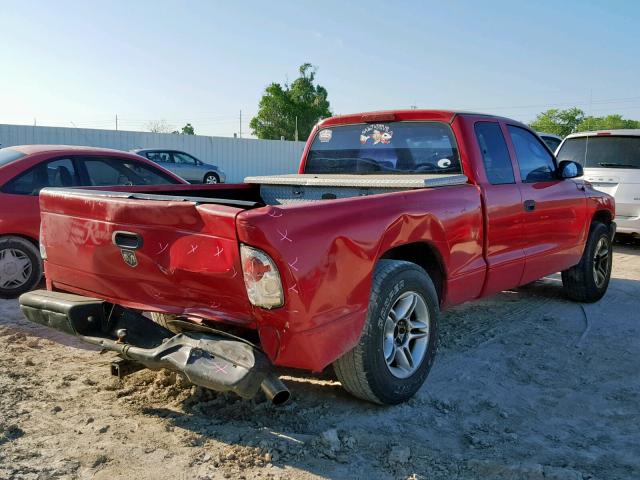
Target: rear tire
(588, 280)
(399, 339)
(20, 266)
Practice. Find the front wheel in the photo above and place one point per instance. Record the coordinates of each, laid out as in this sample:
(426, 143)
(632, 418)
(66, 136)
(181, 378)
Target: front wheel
(588, 280)
(211, 178)
(399, 340)
(20, 266)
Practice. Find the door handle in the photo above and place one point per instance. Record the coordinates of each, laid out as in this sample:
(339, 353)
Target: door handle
(529, 205)
(128, 240)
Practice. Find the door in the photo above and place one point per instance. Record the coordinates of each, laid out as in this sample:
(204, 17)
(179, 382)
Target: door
(555, 223)
(22, 192)
(189, 166)
(503, 210)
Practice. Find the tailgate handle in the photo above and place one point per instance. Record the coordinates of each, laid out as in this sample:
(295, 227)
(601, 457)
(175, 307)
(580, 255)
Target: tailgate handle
(128, 240)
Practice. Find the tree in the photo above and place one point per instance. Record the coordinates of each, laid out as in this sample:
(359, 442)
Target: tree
(186, 130)
(609, 122)
(280, 106)
(564, 122)
(158, 126)
(560, 122)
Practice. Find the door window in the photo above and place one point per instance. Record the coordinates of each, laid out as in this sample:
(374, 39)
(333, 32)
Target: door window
(495, 154)
(183, 159)
(159, 157)
(535, 161)
(55, 173)
(120, 171)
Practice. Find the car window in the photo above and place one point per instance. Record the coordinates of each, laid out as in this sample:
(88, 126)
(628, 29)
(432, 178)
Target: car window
(55, 173)
(159, 157)
(602, 151)
(552, 142)
(389, 148)
(183, 159)
(495, 154)
(535, 161)
(104, 171)
(8, 155)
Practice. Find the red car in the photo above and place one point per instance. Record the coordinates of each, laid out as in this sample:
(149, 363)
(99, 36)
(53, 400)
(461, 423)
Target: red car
(392, 217)
(25, 170)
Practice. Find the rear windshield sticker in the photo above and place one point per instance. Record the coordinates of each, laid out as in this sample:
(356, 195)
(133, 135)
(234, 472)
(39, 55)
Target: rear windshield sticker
(325, 135)
(378, 133)
(444, 163)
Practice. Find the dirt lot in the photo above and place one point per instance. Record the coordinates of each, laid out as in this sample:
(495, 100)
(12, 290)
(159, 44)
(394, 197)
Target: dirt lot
(526, 386)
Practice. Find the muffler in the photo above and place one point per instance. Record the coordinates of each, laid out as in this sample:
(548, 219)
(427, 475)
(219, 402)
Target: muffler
(211, 361)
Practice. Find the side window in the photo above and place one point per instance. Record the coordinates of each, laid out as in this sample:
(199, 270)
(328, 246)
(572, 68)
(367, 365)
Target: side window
(183, 159)
(119, 171)
(159, 157)
(495, 153)
(536, 163)
(55, 173)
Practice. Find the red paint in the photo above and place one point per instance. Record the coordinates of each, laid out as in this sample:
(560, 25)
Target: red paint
(20, 214)
(325, 252)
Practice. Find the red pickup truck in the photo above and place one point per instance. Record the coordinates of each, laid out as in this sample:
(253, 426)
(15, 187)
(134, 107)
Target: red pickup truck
(392, 217)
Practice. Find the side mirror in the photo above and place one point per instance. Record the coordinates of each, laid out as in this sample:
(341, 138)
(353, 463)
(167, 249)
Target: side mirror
(569, 169)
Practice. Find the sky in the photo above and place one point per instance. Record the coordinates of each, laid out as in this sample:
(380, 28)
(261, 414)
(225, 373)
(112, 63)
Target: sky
(82, 63)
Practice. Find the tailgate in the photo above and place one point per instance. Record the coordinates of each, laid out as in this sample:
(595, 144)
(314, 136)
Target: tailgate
(154, 253)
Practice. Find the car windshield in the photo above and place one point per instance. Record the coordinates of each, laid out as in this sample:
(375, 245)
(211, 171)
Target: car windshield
(387, 148)
(8, 155)
(602, 151)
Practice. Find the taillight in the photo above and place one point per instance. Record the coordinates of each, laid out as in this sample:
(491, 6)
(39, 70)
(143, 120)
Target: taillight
(261, 278)
(43, 251)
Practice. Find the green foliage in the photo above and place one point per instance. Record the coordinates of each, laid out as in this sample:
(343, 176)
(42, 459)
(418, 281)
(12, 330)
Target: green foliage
(560, 122)
(188, 130)
(280, 106)
(564, 122)
(610, 122)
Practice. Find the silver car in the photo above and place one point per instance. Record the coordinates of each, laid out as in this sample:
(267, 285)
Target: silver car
(185, 165)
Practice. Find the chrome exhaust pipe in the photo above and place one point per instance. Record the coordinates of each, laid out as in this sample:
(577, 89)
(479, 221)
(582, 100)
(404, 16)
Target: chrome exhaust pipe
(275, 390)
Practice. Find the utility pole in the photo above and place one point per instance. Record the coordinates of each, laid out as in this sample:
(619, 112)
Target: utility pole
(240, 123)
(116, 122)
(296, 136)
(34, 122)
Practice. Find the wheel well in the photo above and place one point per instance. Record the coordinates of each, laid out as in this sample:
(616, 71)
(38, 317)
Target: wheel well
(33, 241)
(424, 255)
(211, 173)
(602, 216)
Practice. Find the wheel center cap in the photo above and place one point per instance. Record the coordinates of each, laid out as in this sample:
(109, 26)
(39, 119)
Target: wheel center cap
(10, 268)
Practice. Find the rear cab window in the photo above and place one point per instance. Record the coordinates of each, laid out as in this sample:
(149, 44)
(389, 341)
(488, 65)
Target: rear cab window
(384, 148)
(602, 151)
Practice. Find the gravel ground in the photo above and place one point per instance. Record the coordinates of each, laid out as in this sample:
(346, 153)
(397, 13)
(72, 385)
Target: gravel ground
(526, 385)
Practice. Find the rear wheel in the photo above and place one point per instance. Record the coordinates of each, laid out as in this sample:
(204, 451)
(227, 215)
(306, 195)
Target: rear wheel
(210, 178)
(20, 266)
(398, 343)
(588, 280)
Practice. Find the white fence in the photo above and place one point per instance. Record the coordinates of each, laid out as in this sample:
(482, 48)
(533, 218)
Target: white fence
(237, 157)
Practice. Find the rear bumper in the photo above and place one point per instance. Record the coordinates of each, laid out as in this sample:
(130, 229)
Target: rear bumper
(628, 224)
(216, 362)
